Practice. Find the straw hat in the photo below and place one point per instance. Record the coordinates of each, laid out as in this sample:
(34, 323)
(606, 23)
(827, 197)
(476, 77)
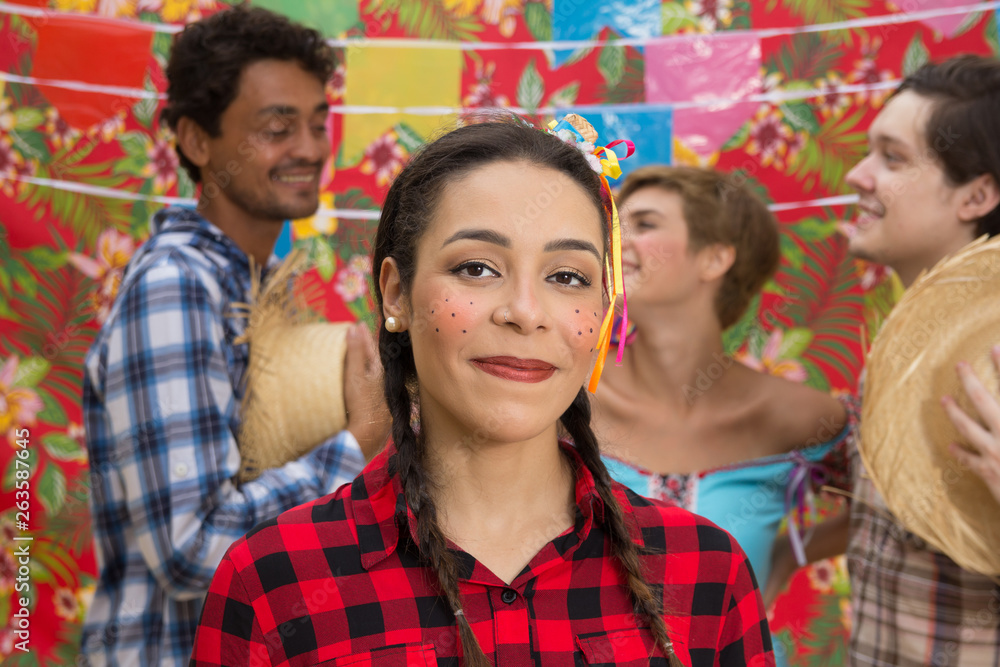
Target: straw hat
(950, 314)
(294, 397)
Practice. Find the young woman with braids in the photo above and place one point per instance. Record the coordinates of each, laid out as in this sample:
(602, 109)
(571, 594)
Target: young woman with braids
(488, 531)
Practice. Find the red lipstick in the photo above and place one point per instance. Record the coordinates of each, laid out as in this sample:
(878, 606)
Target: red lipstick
(513, 368)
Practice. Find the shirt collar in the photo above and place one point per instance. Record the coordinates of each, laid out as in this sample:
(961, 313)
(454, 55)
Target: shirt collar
(205, 235)
(380, 508)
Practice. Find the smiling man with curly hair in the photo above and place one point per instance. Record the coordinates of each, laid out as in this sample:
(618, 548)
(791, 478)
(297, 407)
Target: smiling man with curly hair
(164, 380)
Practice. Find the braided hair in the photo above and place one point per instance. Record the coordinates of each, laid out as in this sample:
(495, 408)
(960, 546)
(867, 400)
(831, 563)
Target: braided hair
(406, 214)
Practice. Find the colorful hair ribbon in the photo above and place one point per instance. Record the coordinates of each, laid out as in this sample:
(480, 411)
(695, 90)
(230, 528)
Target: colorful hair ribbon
(575, 129)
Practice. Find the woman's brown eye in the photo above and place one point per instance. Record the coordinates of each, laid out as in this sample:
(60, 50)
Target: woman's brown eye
(571, 279)
(474, 270)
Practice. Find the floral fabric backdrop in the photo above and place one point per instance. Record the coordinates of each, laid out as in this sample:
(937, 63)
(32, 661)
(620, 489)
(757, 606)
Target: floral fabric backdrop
(730, 83)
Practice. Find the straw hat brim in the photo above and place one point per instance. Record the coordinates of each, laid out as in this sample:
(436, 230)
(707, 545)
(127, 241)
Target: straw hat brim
(296, 396)
(294, 392)
(949, 314)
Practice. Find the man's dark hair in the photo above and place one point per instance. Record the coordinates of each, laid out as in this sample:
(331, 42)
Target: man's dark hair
(209, 56)
(963, 131)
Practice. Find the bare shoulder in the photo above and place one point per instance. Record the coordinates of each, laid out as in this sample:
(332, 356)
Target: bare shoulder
(797, 415)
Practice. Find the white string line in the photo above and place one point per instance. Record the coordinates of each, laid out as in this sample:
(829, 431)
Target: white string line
(634, 107)
(393, 42)
(438, 44)
(112, 193)
(761, 33)
(83, 87)
(838, 200)
(98, 190)
(348, 213)
(44, 14)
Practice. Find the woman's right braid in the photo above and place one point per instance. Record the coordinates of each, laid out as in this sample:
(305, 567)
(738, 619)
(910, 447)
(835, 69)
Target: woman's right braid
(407, 462)
(576, 419)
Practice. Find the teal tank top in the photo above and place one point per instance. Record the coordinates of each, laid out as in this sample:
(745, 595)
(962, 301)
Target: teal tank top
(748, 499)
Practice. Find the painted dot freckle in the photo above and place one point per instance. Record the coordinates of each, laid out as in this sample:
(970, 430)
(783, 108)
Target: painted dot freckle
(578, 310)
(591, 331)
(437, 330)
(463, 330)
(453, 314)
(579, 333)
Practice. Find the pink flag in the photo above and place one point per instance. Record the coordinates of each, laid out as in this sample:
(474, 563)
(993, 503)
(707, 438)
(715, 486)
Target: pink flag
(723, 69)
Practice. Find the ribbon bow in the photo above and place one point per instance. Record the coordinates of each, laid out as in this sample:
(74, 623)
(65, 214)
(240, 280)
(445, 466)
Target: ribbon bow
(799, 496)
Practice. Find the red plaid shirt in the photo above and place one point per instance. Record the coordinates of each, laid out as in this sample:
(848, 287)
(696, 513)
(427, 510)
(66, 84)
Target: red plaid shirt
(340, 581)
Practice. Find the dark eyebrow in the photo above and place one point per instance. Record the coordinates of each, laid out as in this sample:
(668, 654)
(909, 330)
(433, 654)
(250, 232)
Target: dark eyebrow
(285, 110)
(642, 211)
(888, 139)
(485, 235)
(490, 236)
(572, 244)
(279, 110)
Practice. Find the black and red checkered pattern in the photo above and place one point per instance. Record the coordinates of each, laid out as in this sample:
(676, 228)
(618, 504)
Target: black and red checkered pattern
(340, 581)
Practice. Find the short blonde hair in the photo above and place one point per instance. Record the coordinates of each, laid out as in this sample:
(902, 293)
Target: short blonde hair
(720, 209)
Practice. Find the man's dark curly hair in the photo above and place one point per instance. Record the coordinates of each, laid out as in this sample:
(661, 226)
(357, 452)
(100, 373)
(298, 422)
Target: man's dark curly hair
(209, 56)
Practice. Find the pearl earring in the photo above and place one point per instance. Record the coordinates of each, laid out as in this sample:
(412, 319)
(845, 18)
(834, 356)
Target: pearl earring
(392, 324)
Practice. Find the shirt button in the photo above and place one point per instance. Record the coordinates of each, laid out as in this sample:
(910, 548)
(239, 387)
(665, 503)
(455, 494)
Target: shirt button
(181, 470)
(508, 596)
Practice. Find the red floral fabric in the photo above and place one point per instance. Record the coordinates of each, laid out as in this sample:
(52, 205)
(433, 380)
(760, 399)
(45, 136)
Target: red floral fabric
(79, 171)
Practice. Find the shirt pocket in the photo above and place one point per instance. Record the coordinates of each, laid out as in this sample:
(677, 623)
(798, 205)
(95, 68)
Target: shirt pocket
(631, 647)
(402, 655)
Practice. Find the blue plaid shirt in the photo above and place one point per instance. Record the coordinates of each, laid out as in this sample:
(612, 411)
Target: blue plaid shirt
(161, 393)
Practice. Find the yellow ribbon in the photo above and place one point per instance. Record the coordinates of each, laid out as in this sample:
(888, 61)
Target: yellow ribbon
(616, 283)
(609, 163)
(610, 168)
